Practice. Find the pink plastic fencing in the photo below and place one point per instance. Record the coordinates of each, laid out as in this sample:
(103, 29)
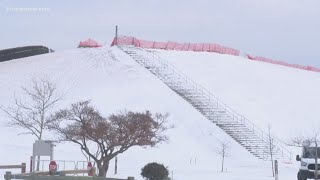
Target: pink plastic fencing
(297, 66)
(125, 41)
(89, 43)
(199, 47)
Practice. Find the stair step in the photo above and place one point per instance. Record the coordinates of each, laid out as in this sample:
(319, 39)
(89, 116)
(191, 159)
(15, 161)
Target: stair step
(244, 139)
(253, 143)
(262, 146)
(238, 131)
(225, 122)
(241, 135)
(237, 126)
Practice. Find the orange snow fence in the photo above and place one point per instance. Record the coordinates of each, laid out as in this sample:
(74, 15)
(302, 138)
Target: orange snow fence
(89, 43)
(297, 66)
(199, 47)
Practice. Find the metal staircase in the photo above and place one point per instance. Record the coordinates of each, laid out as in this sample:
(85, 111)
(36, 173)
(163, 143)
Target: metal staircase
(243, 131)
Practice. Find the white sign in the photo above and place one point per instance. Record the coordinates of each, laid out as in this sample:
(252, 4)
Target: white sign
(42, 148)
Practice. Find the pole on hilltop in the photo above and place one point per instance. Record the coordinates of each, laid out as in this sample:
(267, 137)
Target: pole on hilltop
(116, 38)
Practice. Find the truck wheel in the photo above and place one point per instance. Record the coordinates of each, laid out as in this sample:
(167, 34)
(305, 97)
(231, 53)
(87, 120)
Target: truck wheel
(300, 177)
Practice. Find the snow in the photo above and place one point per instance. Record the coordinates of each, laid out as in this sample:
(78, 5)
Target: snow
(264, 93)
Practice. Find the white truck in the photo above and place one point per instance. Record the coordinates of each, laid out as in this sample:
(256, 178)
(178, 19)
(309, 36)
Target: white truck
(307, 163)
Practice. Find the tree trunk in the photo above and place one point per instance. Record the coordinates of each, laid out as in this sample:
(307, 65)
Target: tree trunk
(102, 172)
(222, 163)
(272, 166)
(103, 169)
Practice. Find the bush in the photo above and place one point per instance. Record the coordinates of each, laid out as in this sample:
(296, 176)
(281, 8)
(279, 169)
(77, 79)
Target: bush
(154, 171)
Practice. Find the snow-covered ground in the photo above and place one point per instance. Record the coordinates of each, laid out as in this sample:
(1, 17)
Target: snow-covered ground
(286, 98)
(264, 93)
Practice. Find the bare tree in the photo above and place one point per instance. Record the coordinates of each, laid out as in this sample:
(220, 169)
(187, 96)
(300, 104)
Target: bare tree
(308, 143)
(271, 148)
(82, 124)
(223, 150)
(31, 111)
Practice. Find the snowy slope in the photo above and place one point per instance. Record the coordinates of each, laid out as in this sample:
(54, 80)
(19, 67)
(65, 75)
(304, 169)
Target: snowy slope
(264, 93)
(115, 82)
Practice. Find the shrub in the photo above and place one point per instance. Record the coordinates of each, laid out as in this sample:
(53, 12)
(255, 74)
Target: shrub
(154, 171)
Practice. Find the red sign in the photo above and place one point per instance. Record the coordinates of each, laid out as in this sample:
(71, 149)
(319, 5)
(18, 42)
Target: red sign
(89, 166)
(52, 166)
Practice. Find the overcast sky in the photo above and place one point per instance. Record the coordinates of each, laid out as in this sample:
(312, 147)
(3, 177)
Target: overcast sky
(287, 30)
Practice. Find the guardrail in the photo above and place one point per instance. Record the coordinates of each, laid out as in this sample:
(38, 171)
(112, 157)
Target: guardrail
(64, 164)
(60, 175)
(22, 167)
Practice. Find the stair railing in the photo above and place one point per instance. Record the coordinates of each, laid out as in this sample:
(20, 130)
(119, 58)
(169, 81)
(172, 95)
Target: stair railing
(151, 54)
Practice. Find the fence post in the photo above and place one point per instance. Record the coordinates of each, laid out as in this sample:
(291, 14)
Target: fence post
(8, 175)
(31, 164)
(23, 167)
(276, 172)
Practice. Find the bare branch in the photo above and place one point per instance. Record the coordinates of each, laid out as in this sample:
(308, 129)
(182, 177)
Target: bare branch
(223, 150)
(31, 111)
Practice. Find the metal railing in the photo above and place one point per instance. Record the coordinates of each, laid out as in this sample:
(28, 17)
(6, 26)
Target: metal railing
(165, 65)
(22, 167)
(64, 165)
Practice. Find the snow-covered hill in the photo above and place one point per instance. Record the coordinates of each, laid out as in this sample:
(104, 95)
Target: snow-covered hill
(286, 98)
(264, 93)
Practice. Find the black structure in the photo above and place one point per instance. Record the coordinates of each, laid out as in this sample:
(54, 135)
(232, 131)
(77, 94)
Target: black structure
(21, 52)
